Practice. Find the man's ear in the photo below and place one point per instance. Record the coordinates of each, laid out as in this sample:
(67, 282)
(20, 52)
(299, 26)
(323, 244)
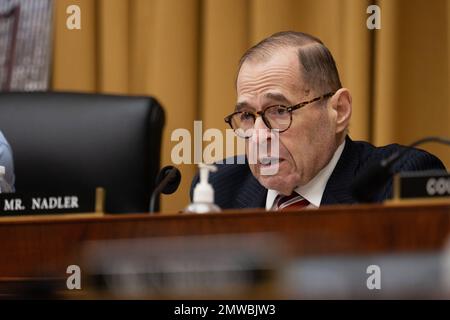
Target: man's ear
(342, 105)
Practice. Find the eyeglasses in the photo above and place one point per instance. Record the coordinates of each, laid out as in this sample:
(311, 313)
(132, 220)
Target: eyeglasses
(276, 117)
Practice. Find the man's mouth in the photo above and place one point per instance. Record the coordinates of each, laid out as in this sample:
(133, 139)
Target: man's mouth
(269, 166)
(267, 161)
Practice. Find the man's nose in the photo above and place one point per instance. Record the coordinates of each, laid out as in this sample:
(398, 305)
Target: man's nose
(261, 133)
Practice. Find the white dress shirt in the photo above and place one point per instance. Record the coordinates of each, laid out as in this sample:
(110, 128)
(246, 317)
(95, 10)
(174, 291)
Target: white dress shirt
(313, 190)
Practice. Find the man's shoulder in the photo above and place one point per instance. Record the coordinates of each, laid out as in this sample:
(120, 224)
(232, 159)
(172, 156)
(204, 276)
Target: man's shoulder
(6, 160)
(359, 155)
(234, 184)
(232, 170)
(413, 159)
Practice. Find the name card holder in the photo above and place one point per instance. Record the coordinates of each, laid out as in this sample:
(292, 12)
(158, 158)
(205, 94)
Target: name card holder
(422, 186)
(90, 202)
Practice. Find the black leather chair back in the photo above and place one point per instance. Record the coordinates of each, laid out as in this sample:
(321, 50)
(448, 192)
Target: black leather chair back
(72, 141)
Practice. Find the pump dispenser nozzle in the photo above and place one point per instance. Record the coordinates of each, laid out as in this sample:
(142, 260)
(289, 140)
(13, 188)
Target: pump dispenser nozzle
(203, 199)
(204, 191)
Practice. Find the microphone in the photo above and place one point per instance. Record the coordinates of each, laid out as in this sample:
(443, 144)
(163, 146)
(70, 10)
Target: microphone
(167, 182)
(378, 173)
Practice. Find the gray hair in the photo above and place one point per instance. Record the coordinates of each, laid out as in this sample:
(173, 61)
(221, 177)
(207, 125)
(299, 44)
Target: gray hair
(317, 66)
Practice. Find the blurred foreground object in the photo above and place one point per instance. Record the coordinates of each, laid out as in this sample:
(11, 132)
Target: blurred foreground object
(194, 266)
(332, 252)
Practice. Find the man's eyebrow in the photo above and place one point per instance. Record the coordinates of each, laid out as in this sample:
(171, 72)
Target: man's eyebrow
(278, 97)
(241, 105)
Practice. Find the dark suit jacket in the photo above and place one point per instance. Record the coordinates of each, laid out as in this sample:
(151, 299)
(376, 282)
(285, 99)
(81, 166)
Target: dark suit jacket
(236, 187)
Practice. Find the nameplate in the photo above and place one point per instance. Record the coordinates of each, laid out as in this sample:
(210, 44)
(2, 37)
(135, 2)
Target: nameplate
(51, 203)
(422, 185)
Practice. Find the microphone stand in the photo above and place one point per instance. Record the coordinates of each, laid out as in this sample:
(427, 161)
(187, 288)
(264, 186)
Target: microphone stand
(167, 179)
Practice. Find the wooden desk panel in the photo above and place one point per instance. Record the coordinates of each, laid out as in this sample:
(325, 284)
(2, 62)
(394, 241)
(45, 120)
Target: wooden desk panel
(38, 246)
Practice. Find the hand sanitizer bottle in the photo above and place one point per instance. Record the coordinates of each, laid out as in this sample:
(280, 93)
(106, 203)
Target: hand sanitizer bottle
(203, 199)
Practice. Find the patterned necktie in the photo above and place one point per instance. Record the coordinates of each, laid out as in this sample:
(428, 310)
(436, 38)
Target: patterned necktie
(291, 202)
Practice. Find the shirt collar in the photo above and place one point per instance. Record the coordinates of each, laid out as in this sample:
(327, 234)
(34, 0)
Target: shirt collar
(313, 190)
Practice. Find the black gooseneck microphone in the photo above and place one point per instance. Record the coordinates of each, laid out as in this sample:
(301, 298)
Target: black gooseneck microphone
(378, 173)
(167, 182)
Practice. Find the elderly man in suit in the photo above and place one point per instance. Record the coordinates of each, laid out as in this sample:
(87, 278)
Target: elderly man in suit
(288, 88)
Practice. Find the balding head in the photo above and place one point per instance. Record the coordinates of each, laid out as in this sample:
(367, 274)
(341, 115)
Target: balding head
(317, 67)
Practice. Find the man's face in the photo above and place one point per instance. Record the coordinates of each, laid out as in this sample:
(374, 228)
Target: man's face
(310, 142)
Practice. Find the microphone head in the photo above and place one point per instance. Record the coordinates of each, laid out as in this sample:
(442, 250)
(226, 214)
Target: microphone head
(371, 180)
(174, 178)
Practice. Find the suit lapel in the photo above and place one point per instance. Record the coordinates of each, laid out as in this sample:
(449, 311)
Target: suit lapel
(338, 188)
